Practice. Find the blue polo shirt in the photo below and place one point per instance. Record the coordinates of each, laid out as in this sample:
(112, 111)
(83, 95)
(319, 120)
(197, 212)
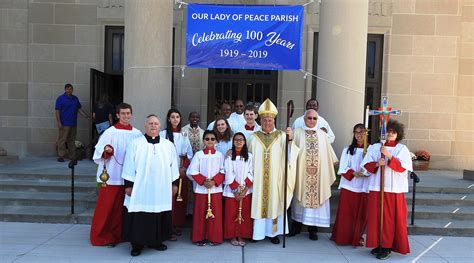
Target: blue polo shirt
(68, 107)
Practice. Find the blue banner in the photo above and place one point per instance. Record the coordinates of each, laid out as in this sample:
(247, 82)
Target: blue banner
(250, 37)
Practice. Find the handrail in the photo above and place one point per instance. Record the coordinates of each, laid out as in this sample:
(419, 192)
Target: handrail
(416, 180)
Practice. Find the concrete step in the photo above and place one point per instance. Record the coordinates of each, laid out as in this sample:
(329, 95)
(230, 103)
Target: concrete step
(443, 190)
(442, 212)
(48, 176)
(87, 200)
(8, 185)
(442, 227)
(441, 199)
(39, 214)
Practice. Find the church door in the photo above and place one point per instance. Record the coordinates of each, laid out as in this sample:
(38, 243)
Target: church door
(252, 86)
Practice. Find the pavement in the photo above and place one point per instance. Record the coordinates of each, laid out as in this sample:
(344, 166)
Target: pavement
(35, 242)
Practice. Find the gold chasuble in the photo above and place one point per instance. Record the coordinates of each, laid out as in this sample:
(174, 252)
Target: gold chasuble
(315, 167)
(269, 174)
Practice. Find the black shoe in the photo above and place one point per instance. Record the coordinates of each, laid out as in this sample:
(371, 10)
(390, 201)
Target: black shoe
(375, 251)
(136, 252)
(385, 253)
(111, 245)
(161, 247)
(295, 229)
(275, 240)
(313, 236)
(61, 159)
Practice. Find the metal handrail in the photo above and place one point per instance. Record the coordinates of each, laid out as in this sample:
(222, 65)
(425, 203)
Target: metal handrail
(416, 180)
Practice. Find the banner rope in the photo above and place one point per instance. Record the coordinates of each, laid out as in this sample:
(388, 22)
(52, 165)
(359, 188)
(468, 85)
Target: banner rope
(306, 73)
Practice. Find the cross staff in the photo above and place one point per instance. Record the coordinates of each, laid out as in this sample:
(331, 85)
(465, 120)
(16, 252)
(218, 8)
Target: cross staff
(384, 113)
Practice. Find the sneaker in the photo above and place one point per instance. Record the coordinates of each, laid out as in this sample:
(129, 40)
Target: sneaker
(385, 253)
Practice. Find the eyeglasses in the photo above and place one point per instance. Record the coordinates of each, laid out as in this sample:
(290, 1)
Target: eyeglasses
(312, 118)
(210, 139)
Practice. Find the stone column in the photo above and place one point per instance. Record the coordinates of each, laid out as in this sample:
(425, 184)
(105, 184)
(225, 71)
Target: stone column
(342, 60)
(148, 47)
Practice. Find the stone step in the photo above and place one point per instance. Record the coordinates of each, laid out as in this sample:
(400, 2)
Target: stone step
(441, 199)
(48, 176)
(39, 214)
(45, 186)
(442, 212)
(87, 200)
(443, 190)
(442, 227)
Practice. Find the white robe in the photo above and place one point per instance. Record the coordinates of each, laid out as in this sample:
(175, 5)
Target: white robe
(118, 139)
(248, 133)
(347, 162)
(263, 225)
(237, 119)
(152, 168)
(237, 170)
(395, 182)
(321, 123)
(224, 146)
(208, 165)
(232, 123)
(181, 143)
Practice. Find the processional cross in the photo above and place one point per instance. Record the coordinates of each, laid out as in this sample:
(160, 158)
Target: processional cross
(384, 113)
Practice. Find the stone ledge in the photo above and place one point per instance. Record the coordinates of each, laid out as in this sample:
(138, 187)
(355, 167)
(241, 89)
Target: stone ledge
(468, 175)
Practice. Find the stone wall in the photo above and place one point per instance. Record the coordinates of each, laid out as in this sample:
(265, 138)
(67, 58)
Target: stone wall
(429, 77)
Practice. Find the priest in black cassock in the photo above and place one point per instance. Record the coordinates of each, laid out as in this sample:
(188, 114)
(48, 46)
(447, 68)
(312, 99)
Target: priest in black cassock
(149, 170)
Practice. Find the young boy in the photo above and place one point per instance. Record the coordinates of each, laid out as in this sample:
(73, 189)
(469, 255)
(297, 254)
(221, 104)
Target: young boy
(207, 173)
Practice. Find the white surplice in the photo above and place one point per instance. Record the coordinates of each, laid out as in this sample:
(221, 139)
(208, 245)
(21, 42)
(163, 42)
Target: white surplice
(237, 170)
(119, 140)
(347, 162)
(395, 182)
(207, 165)
(181, 143)
(152, 168)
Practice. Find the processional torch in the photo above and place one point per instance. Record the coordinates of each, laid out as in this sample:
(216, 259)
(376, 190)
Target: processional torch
(239, 218)
(209, 213)
(179, 198)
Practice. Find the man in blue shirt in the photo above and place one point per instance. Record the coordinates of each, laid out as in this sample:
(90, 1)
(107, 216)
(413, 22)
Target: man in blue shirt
(67, 107)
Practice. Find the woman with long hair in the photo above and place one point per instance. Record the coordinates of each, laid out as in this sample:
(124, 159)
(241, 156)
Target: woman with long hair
(238, 224)
(352, 210)
(224, 135)
(184, 153)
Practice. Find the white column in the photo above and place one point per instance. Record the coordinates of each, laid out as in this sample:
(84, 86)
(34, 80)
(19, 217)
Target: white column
(148, 47)
(342, 59)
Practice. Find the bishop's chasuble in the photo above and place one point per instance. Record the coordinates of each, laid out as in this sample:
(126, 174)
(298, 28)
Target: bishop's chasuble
(269, 174)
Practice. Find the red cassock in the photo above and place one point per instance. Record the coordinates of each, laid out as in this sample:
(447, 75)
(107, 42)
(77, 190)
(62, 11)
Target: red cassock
(395, 212)
(106, 225)
(179, 208)
(232, 228)
(395, 234)
(211, 228)
(351, 218)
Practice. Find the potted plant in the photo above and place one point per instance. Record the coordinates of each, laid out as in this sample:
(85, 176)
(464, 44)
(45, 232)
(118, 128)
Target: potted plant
(421, 160)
